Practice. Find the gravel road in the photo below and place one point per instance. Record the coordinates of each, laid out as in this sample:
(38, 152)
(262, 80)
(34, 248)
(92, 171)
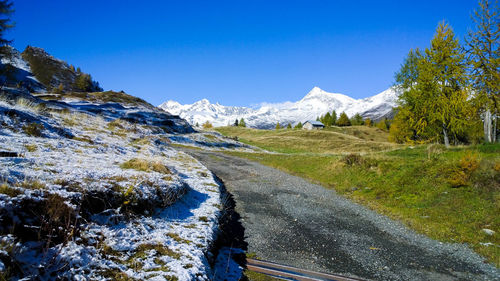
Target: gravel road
(292, 221)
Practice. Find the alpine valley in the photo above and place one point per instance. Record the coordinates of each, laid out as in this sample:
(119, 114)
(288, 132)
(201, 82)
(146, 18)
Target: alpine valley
(316, 103)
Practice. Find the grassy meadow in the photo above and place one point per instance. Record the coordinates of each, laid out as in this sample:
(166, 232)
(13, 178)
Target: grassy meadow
(446, 194)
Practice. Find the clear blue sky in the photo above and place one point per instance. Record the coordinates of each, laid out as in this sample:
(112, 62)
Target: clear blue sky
(235, 52)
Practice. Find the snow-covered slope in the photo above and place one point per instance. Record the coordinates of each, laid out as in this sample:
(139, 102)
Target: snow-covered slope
(18, 72)
(317, 102)
(96, 191)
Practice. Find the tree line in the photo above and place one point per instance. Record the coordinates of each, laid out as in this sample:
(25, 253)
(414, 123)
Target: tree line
(450, 92)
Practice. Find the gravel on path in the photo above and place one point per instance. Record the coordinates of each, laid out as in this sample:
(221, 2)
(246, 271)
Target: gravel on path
(291, 221)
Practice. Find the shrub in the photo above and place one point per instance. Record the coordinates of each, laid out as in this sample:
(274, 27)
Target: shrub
(433, 150)
(461, 173)
(353, 159)
(33, 129)
(115, 124)
(31, 147)
(59, 218)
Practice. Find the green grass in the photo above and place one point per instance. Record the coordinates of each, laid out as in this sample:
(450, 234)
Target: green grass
(446, 194)
(254, 276)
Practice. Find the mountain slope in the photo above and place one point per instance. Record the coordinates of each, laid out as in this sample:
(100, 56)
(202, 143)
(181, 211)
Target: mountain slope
(15, 72)
(52, 72)
(317, 102)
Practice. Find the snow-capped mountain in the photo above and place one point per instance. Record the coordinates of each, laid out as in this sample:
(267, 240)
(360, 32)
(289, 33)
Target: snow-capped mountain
(317, 102)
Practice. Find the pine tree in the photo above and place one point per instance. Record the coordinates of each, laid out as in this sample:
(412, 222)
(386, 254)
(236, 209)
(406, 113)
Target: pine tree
(5, 11)
(334, 117)
(484, 58)
(298, 126)
(278, 126)
(289, 126)
(242, 123)
(357, 119)
(343, 120)
(327, 119)
(236, 123)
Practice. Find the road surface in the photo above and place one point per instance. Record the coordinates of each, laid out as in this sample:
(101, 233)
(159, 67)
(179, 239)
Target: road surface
(291, 221)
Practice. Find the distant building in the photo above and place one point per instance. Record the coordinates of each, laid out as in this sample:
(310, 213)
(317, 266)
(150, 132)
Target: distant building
(311, 125)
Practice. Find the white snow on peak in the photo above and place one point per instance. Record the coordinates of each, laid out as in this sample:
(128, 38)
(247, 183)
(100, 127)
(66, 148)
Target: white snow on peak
(317, 102)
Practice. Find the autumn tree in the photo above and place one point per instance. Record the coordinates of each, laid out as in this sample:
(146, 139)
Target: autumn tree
(343, 120)
(484, 59)
(207, 125)
(434, 103)
(443, 75)
(368, 122)
(83, 82)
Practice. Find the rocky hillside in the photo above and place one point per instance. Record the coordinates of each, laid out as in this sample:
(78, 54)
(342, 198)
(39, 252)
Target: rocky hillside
(316, 103)
(15, 72)
(92, 187)
(57, 74)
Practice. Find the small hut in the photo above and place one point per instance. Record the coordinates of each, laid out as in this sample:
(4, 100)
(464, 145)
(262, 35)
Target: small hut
(313, 125)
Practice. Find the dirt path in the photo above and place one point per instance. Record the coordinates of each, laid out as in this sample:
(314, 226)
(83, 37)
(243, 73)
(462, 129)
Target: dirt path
(291, 221)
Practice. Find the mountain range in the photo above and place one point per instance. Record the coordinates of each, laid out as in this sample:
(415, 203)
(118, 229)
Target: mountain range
(316, 103)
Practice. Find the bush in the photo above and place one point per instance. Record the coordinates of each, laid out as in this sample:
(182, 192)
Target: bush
(353, 159)
(31, 147)
(33, 129)
(460, 174)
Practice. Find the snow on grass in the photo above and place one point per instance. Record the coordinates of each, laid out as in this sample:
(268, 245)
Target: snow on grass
(92, 197)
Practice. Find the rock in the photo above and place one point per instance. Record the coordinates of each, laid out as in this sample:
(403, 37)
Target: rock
(488, 231)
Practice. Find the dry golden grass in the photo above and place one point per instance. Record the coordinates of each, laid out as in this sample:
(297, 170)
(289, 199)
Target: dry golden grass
(145, 166)
(334, 140)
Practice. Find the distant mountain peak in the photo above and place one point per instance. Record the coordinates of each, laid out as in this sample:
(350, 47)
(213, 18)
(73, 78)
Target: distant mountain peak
(317, 102)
